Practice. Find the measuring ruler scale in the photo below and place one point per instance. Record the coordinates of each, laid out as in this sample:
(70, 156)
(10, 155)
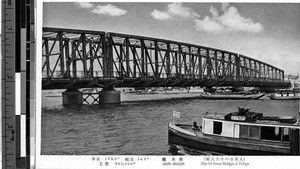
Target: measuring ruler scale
(16, 54)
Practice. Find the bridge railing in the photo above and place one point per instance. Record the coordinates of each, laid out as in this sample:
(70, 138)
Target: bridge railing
(115, 74)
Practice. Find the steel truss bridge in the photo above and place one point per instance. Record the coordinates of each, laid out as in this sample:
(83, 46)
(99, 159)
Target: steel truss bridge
(84, 59)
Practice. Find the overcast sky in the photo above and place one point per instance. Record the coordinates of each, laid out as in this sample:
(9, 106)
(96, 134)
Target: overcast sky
(269, 32)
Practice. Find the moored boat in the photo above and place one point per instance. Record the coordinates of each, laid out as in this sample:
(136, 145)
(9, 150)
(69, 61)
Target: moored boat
(239, 133)
(231, 96)
(285, 96)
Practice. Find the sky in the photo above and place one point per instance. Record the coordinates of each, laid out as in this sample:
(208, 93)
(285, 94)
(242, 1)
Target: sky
(269, 32)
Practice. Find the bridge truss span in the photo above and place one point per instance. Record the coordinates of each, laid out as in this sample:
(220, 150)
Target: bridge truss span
(82, 58)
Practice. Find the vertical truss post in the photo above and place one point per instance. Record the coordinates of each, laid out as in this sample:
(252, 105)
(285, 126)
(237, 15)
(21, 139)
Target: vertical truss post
(146, 58)
(279, 75)
(47, 57)
(238, 67)
(229, 64)
(121, 61)
(179, 58)
(168, 71)
(184, 63)
(265, 72)
(200, 63)
(127, 43)
(271, 73)
(61, 55)
(193, 65)
(259, 71)
(250, 68)
(83, 42)
(104, 54)
(216, 64)
(105, 57)
(244, 69)
(74, 68)
(156, 59)
(91, 69)
(255, 69)
(190, 62)
(134, 61)
(176, 61)
(109, 57)
(143, 57)
(208, 64)
(223, 64)
(68, 60)
(268, 71)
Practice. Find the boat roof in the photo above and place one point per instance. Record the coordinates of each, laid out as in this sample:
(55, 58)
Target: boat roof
(250, 117)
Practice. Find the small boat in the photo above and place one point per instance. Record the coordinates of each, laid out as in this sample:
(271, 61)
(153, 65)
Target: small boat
(231, 96)
(285, 96)
(239, 133)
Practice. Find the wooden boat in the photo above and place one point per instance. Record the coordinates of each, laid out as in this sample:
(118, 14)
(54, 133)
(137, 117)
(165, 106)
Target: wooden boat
(285, 96)
(231, 96)
(239, 133)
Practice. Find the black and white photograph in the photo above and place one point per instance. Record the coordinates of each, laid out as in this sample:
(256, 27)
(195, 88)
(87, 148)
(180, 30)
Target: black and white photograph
(170, 79)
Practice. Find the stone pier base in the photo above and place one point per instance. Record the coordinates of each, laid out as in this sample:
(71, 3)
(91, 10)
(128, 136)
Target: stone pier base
(107, 97)
(72, 97)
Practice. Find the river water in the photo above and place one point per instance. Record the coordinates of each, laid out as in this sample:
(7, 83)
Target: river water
(137, 126)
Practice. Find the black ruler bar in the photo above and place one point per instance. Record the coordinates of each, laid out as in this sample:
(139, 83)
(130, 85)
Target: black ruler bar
(18, 36)
(23, 13)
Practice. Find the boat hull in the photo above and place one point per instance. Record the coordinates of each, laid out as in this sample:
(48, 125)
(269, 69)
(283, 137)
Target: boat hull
(220, 145)
(229, 97)
(284, 98)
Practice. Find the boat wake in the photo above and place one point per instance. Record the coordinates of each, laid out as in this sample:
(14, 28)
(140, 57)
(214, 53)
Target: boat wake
(182, 150)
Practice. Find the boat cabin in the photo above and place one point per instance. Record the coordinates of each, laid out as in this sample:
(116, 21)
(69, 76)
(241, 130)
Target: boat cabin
(245, 124)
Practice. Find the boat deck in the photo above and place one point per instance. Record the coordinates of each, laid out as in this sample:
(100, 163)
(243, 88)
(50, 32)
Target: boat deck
(266, 120)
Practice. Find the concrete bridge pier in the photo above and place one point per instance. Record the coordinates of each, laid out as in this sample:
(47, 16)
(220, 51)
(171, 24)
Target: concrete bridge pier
(109, 96)
(72, 97)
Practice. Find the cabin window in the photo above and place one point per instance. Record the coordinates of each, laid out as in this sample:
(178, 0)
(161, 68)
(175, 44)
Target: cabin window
(254, 132)
(285, 134)
(243, 131)
(271, 133)
(217, 127)
(251, 132)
